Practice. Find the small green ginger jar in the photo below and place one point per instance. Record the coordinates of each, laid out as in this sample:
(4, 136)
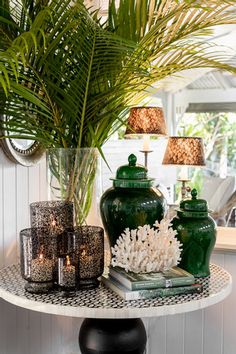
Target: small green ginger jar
(131, 202)
(196, 230)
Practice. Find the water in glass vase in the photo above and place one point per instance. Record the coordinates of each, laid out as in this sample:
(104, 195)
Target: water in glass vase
(73, 175)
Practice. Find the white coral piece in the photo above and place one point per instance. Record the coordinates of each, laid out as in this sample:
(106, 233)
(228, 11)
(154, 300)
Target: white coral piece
(147, 249)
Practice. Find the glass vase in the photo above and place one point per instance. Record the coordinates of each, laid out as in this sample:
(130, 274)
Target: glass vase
(73, 176)
(67, 272)
(38, 257)
(54, 215)
(86, 246)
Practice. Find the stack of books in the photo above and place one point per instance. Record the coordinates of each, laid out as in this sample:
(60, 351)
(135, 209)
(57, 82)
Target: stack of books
(132, 286)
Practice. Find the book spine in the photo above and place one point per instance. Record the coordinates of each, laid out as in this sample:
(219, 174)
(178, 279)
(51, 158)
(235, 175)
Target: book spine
(179, 282)
(151, 284)
(163, 292)
(166, 283)
(147, 284)
(149, 294)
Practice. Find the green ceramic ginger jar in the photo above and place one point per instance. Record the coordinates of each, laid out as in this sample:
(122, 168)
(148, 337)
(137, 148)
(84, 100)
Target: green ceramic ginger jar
(196, 230)
(131, 202)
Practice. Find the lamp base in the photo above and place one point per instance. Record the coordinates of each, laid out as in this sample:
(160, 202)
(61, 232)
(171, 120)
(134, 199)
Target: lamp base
(146, 152)
(184, 189)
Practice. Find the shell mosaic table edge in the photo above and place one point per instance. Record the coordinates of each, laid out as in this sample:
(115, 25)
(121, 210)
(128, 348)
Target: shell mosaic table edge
(103, 303)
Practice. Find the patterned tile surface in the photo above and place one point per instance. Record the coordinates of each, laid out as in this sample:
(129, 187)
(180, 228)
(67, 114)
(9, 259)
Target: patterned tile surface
(103, 298)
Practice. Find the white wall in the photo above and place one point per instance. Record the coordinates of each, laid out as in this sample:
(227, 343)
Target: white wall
(27, 332)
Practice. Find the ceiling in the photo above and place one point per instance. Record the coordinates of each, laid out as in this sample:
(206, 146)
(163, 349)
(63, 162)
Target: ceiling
(207, 78)
(214, 91)
(214, 80)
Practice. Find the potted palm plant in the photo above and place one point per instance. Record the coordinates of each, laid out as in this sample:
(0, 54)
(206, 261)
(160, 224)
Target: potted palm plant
(67, 78)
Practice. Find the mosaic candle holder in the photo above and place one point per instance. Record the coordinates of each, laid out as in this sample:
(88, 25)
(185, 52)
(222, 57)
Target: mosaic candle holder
(91, 255)
(38, 254)
(87, 243)
(68, 267)
(54, 215)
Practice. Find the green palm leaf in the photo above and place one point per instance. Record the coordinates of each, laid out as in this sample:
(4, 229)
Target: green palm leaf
(69, 80)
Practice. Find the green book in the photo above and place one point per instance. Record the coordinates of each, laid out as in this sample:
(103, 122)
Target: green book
(127, 294)
(138, 281)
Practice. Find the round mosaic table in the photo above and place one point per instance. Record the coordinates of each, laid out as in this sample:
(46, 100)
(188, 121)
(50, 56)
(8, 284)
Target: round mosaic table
(104, 309)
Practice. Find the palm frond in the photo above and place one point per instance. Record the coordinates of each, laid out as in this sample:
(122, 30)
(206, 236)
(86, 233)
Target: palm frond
(69, 80)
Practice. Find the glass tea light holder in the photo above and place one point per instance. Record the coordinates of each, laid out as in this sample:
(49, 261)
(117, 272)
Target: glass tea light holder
(68, 272)
(38, 255)
(87, 244)
(54, 215)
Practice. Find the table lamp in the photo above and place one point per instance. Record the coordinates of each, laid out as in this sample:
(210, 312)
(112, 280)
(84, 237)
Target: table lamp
(184, 151)
(146, 121)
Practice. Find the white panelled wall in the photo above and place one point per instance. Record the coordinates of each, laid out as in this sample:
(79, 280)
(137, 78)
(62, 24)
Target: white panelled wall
(211, 331)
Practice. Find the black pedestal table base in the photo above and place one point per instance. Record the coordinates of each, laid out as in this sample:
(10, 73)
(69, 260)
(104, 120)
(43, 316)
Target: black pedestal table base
(112, 336)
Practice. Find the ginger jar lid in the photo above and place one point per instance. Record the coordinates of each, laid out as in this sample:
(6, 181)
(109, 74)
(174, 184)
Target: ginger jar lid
(193, 207)
(132, 175)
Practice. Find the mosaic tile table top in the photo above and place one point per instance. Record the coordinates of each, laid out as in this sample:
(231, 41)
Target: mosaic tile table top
(103, 303)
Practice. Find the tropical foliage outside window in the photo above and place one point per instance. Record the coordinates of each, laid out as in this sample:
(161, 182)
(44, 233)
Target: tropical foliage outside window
(218, 131)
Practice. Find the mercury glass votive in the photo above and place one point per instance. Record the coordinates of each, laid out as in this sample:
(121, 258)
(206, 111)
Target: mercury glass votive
(68, 268)
(54, 215)
(87, 242)
(38, 255)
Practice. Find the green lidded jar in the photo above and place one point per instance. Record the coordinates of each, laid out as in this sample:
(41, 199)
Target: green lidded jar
(196, 230)
(131, 202)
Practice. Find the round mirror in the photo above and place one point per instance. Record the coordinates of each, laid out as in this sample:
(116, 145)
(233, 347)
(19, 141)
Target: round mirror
(22, 151)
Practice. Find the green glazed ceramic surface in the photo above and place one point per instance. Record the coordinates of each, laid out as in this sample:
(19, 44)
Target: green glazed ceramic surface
(132, 202)
(197, 233)
(122, 208)
(132, 175)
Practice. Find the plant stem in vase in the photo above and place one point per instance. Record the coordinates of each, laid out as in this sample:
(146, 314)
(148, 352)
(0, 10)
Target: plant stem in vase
(72, 177)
